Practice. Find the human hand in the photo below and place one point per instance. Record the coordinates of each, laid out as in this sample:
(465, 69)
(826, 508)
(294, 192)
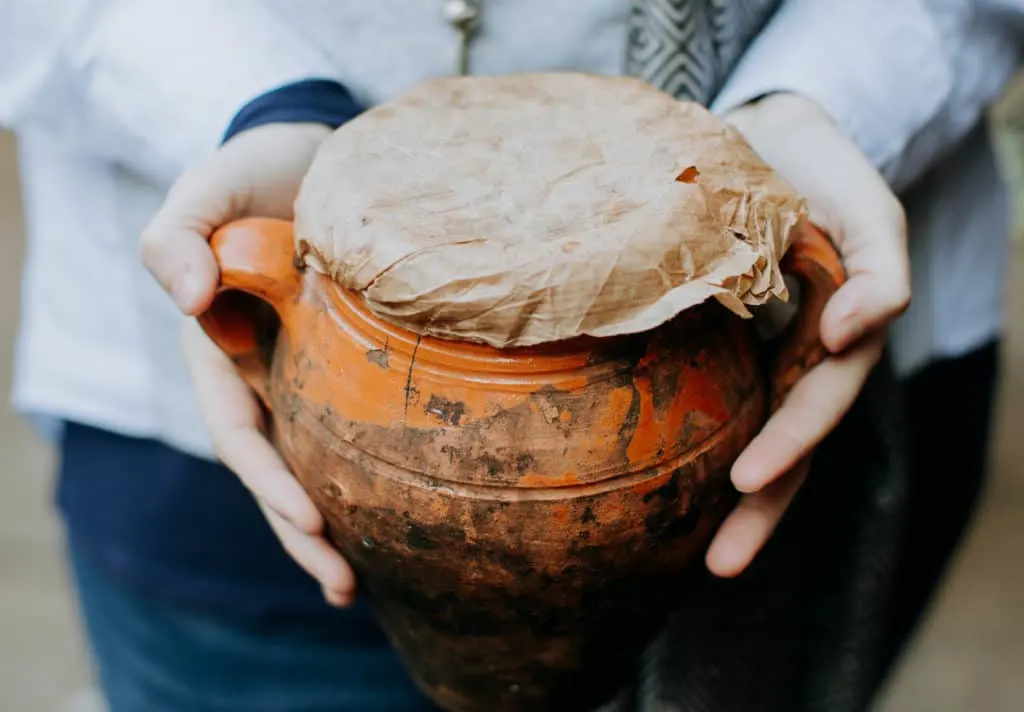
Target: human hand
(850, 201)
(256, 173)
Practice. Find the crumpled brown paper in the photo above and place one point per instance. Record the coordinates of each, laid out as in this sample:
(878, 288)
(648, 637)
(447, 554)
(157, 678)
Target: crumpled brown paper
(517, 210)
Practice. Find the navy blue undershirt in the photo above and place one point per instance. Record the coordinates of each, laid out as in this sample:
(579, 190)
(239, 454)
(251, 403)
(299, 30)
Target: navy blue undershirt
(321, 101)
(181, 528)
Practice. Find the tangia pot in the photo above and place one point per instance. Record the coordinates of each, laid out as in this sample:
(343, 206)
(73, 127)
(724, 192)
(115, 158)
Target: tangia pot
(521, 519)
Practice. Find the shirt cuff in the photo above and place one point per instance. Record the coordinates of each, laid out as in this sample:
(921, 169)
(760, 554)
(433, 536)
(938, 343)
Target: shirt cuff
(875, 66)
(319, 101)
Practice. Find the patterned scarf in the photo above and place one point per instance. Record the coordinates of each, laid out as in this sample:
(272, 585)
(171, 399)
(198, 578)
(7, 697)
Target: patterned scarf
(688, 48)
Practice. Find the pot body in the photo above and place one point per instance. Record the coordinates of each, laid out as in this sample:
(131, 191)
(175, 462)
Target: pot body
(521, 520)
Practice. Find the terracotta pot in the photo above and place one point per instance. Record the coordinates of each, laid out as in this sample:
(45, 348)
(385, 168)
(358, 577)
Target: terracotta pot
(521, 520)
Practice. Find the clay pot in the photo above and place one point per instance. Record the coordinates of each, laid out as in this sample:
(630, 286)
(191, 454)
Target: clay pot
(521, 520)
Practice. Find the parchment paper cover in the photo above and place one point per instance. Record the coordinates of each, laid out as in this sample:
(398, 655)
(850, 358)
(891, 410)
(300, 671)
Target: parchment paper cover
(516, 210)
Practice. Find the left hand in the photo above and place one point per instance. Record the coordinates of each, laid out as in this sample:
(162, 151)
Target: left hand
(850, 201)
(256, 173)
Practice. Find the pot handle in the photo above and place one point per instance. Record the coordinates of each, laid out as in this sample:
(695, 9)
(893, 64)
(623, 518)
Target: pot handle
(259, 279)
(814, 261)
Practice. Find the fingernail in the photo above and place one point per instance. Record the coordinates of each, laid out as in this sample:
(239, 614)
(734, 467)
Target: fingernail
(723, 562)
(747, 485)
(842, 326)
(187, 290)
(745, 479)
(847, 320)
(337, 598)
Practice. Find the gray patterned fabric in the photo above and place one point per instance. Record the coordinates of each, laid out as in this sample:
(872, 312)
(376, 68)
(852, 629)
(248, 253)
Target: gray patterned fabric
(688, 47)
(800, 630)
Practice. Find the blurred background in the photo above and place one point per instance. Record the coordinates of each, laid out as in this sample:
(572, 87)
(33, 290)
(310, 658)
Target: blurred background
(969, 658)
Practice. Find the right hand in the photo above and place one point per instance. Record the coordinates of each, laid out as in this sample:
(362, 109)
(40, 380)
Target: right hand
(847, 198)
(256, 173)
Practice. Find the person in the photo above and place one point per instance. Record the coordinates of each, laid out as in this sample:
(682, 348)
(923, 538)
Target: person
(189, 601)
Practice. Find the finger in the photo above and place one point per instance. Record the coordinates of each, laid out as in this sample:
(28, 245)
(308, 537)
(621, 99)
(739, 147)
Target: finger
(748, 527)
(812, 409)
(234, 421)
(337, 599)
(878, 288)
(317, 557)
(174, 245)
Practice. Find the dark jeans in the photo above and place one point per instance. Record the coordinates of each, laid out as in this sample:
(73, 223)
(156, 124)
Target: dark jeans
(949, 407)
(154, 657)
(190, 602)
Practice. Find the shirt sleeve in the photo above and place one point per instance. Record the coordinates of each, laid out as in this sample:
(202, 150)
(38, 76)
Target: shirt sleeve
(904, 80)
(150, 84)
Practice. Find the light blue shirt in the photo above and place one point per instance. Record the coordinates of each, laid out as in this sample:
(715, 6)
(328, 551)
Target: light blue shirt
(114, 98)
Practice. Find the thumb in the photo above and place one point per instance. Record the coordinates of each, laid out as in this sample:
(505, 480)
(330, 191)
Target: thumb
(878, 288)
(257, 172)
(870, 231)
(174, 245)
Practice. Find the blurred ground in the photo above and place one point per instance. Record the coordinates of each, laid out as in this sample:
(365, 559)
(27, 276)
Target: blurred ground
(41, 658)
(969, 659)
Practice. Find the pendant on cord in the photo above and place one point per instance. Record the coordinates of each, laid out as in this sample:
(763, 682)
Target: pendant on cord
(463, 16)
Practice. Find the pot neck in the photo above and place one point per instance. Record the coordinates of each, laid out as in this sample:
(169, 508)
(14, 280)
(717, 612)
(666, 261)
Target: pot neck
(351, 314)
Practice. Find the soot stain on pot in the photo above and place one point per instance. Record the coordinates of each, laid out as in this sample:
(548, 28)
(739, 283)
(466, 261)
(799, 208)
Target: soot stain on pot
(631, 421)
(493, 466)
(588, 590)
(668, 376)
(668, 492)
(617, 352)
(423, 537)
(479, 455)
(667, 382)
(417, 539)
(450, 452)
(669, 524)
(620, 375)
(673, 511)
(449, 412)
(560, 409)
